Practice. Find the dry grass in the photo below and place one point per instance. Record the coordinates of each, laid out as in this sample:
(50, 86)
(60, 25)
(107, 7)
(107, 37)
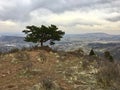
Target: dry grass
(21, 56)
(108, 75)
(48, 70)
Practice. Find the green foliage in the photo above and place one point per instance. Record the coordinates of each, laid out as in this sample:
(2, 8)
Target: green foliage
(91, 52)
(108, 56)
(43, 34)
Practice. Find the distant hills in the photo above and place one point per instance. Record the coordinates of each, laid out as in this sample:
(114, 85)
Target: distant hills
(20, 38)
(13, 39)
(100, 36)
(99, 41)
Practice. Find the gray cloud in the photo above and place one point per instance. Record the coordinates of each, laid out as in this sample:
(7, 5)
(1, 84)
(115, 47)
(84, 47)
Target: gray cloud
(114, 19)
(15, 15)
(18, 11)
(15, 11)
(59, 6)
(91, 24)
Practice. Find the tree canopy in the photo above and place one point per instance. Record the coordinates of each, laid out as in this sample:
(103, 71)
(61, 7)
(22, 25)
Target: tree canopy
(43, 34)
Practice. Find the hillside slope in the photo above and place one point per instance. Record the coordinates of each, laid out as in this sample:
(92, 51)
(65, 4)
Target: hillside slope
(48, 70)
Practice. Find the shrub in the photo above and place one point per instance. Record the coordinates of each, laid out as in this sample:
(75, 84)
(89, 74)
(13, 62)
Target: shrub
(25, 48)
(79, 52)
(109, 75)
(85, 65)
(14, 50)
(108, 56)
(47, 83)
(92, 53)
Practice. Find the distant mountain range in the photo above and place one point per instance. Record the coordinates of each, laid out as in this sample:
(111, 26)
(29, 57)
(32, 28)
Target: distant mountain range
(87, 35)
(68, 37)
(99, 41)
(100, 36)
(12, 39)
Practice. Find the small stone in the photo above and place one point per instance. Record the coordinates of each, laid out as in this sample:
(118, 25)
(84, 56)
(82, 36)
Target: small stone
(3, 75)
(51, 52)
(39, 59)
(57, 61)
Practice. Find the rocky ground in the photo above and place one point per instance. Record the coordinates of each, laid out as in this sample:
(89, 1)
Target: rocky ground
(50, 70)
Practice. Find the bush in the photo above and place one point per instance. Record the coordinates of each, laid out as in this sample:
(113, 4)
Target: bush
(79, 52)
(92, 53)
(108, 56)
(25, 49)
(14, 50)
(109, 75)
(47, 83)
(85, 65)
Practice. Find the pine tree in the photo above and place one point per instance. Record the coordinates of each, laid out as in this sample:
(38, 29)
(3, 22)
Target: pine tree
(43, 34)
(91, 52)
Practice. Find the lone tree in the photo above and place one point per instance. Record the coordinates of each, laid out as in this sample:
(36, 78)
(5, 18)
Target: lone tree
(43, 34)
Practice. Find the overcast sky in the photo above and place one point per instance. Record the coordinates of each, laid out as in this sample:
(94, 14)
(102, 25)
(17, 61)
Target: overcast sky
(71, 16)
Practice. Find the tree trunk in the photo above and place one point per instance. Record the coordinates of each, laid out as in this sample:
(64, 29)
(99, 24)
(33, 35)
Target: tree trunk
(41, 44)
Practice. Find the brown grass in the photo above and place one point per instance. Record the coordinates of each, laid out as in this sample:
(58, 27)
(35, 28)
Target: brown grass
(108, 75)
(64, 71)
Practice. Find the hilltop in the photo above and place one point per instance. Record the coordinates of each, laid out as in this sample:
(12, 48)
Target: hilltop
(45, 69)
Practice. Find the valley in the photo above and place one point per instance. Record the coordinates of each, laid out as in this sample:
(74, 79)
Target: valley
(100, 42)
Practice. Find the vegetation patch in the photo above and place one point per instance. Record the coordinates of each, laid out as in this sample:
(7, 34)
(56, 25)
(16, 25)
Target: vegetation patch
(21, 56)
(108, 75)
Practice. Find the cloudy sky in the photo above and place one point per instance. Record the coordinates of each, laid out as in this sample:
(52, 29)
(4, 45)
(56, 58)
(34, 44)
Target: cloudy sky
(71, 16)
